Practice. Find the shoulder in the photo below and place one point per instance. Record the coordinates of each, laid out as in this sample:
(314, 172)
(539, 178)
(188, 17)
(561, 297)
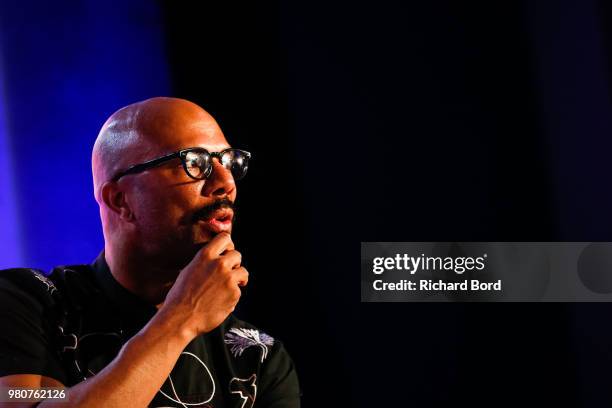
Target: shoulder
(28, 308)
(27, 285)
(41, 285)
(46, 291)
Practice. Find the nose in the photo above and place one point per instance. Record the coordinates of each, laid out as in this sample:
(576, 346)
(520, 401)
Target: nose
(220, 182)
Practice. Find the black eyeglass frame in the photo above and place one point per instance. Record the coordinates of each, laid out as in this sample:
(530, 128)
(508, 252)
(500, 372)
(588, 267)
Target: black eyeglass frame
(182, 154)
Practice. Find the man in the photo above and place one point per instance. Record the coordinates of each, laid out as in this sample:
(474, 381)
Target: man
(150, 322)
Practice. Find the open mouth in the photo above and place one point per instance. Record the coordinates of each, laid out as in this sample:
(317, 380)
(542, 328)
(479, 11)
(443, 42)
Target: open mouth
(219, 221)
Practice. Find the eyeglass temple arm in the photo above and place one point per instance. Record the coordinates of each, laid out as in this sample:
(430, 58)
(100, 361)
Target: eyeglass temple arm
(137, 168)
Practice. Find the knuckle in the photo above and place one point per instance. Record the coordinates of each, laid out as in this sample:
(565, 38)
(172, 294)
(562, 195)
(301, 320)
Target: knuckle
(206, 253)
(226, 263)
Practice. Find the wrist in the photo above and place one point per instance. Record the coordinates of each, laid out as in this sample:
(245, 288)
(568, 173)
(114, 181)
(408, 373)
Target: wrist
(177, 324)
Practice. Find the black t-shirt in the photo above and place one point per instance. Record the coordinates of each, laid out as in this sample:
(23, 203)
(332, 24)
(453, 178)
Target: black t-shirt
(70, 325)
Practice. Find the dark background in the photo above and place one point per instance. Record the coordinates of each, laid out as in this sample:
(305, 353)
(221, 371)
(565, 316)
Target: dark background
(392, 121)
(385, 121)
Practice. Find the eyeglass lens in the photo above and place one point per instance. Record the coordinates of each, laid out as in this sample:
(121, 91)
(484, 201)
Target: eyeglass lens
(199, 163)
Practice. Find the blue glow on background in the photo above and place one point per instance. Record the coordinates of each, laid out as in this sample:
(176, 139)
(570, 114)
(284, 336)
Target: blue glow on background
(10, 243)
(67, 67)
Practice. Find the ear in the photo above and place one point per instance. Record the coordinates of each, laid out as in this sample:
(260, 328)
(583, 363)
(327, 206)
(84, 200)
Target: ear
(114, 199)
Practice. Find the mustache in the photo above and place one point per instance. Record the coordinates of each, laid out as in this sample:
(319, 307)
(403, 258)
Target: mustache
(205, 212)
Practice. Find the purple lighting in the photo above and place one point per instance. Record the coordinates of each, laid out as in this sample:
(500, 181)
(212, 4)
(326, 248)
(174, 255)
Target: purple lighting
(10, 255)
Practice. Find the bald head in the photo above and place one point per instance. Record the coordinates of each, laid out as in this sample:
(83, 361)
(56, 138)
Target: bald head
(145, 130)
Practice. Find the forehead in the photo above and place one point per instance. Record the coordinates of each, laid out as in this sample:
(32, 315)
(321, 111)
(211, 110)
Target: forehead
(187, 132)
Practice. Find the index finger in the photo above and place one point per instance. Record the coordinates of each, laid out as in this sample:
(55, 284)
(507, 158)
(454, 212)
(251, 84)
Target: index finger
(220, 243)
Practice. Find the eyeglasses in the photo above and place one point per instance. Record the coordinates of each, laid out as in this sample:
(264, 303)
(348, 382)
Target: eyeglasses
(198, 163)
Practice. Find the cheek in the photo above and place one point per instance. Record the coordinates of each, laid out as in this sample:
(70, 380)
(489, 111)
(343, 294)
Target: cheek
(158, 213)
(164, 205)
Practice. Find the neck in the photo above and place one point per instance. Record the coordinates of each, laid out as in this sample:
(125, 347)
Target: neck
(139, 274)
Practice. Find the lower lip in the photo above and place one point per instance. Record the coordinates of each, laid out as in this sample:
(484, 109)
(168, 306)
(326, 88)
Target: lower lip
(218, 226)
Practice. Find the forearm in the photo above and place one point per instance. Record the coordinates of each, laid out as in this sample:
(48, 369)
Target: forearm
(137, 373)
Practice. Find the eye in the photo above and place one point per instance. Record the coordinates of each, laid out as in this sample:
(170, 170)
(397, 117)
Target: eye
(197, 163)
(194, 161)
(235, 161)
